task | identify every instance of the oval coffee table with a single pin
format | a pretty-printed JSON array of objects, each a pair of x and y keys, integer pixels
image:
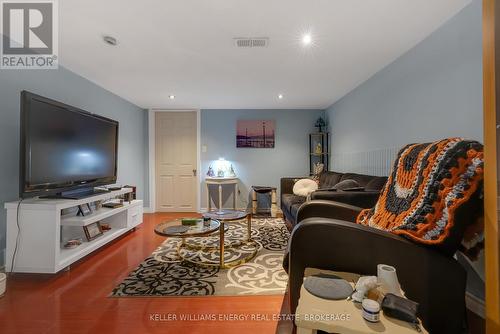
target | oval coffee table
[
  {"x": 204, "y": 230},
  {"x": 193, "y": 231},
  {"x": 229, "y": 216}
]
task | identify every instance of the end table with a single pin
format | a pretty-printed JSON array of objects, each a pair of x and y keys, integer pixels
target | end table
[
  {"x": 221, "y": 181},
  {"x": 342, "y": 316}
]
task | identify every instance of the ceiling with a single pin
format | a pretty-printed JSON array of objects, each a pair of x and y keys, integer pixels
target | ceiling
[{"x": 186, "y": 48}]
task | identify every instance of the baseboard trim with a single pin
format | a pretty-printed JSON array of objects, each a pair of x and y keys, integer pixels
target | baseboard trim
[
  {"x": 203, "y": 210},
  {"x": 148, "y": 210},
  {"x": 2, "y": 260}
]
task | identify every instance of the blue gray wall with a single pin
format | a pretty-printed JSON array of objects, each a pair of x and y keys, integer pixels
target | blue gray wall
[
  {"x": 257, "y": 166},
  {"x": 431, "y": 92},
  {"x": 65, "y": 86}
]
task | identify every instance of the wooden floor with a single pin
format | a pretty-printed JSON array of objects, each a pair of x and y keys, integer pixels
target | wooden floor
[{"x": 76, "y": 301}]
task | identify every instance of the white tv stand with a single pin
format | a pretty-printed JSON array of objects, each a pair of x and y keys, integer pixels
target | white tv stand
[{"x": 46, "y": 224}]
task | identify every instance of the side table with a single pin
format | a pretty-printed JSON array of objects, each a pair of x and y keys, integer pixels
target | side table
[
  {"x": 342, "y": 316},
  {"x": 264, "y": 190},
  {"x": 221, "y": 181}
]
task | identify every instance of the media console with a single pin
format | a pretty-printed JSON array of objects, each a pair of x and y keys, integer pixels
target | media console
[{"x": 45, "y": 225}]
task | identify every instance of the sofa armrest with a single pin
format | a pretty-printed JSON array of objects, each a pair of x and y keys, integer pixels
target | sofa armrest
[
  {"x": 363, "y": 199},
  {"x": 435, "y": 281},
  {"x": 324, "y": 209},
  {"x": 328, "y": 209},
  {"x": 287, "y": 183}
]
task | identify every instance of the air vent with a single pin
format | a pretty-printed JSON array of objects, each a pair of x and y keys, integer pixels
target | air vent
[{"x": 245, "y": 42}]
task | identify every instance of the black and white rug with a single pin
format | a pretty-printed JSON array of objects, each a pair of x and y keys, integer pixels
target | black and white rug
[{"x": 165, "y": 274}]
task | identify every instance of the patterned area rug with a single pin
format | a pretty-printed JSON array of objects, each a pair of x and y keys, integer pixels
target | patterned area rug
[{"x": 164, "y": 273}]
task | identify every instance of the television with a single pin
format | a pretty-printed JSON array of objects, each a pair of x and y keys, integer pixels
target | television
[{"x": 65, "y": 152}]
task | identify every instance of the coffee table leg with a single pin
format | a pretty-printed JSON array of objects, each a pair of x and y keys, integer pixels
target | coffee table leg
[
  {"x": 221, "y": 244},
  {"x": 249, "y": 227}
]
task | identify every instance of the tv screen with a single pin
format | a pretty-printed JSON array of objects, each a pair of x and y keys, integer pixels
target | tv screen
[{"x": 64, "y": 148}]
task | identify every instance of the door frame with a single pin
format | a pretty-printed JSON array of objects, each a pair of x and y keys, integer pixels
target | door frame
[
  {"x": 152, "y": 155},
  {"x": 491, "y": 29}
]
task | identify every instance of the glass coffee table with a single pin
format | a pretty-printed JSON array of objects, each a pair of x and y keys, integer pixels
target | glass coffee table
[
  {"x": 200, "y": 245},
  {"x": 166, "y": 229}
]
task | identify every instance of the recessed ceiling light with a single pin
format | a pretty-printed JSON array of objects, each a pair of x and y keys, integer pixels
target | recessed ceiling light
[
  {"x": 280, "y": 96},
  {"x": 171, "y": 97},
  {"x": 110, "y": 40},
  {"x": 306, "y": 39}
]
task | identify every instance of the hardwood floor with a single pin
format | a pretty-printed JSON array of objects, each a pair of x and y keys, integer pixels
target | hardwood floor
[{"x": 76, "y": 301}]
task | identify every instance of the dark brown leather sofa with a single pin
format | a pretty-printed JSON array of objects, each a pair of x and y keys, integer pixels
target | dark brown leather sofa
[{"x": 364, "y": 198}]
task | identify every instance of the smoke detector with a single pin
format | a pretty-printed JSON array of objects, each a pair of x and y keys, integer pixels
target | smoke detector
[
  {"x": 110, "y": 40},
  {"x": 251, "y": 42}
]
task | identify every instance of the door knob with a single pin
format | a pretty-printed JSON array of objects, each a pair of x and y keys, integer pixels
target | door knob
[{"x": 194, "y": 172}]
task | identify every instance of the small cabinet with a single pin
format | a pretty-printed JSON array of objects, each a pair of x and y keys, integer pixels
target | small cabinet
[{"x": 135, "y": 214}]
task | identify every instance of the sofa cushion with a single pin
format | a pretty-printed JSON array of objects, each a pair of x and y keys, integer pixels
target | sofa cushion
[
  {"x": 294, "y": 210},
  {"x": 376, "y": 184},
  {"x": 287, "y": 200},
  {"x": 362, "y": 179},
  {"x": 345, "y": 185},
  {"x": 329, "y": 179}
]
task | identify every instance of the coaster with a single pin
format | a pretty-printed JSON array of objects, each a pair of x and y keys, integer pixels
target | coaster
[
  {"x": 177, "y": 229},
  {"x": 328, "y": 287}
]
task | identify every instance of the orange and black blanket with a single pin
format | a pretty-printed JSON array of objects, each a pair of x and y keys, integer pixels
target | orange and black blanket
[{"x": 427, "y": 185}]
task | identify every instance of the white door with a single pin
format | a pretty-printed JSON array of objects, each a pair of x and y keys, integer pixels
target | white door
[{"x": 176, "y": 161}]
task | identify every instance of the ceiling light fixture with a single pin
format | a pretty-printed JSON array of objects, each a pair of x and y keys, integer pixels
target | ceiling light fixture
[
  {"x": 306, "y": 39},
  {"x": 110, "y": 40},
  {"x": 171, "y": 97},
  {"x": 280, "y": 96}
]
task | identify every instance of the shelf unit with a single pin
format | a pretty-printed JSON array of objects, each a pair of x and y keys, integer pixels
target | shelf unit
[
  {"x": 319, "y": 150},
  {"x": 46, "y": 224},
  {"x": 69, "y": 256},
  {"x": 103, "y": 213}
]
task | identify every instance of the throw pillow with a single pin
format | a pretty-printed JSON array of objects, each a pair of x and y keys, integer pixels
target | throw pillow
[
  {"x": 304, "y": 187},
  {"x": 346, "y": 185}
]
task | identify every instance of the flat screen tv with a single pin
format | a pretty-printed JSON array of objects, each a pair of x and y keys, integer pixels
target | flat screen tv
[{"x": 65, "y": 152}]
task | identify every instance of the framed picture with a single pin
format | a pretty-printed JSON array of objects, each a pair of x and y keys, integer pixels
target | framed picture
[
  {"x": 92, "y": 231},
  {"x": 84, "y": 210},
  {"x": 255, "y": 133}
]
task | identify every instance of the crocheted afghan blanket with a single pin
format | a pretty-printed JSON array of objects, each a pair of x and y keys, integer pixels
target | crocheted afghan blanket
[{"x": 427, "y": 184}]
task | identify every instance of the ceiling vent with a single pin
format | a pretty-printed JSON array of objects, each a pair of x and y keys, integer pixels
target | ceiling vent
[{"x": 245, "y": 42}]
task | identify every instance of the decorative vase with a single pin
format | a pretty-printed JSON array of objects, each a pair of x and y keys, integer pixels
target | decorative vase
[
  {"x": 232, "y": 173},
  {"x": 318, "y": 149},
  {"x": 210, "y": 172},
  {"x": 320, "y": 123}
]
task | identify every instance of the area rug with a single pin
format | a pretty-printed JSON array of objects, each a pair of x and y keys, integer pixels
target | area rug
[{"x": 165, "y": 274}]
